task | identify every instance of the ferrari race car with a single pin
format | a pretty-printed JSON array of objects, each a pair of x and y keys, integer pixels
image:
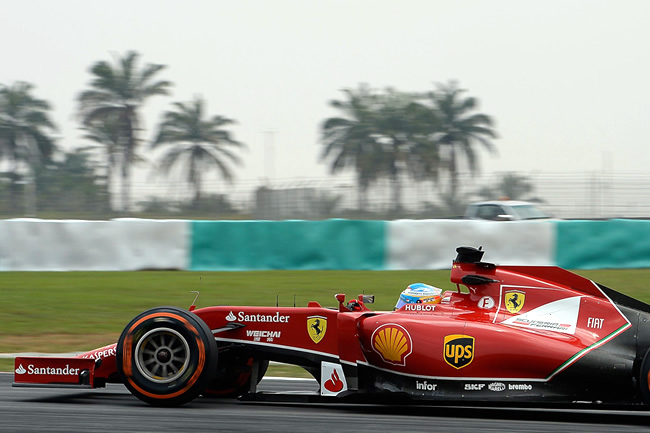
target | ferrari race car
[{"x": 508, "y": 333}]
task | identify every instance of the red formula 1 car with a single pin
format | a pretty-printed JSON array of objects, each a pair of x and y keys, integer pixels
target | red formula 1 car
[{"x": 509, "y": 333}]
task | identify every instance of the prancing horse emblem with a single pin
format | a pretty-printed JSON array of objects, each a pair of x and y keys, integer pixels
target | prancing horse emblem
[
  {"x": 514, "y": 300},
  {"x": 316, "y": 327}
]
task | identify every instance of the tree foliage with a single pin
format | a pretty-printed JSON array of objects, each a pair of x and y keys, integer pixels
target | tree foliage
[
  {"x": 396, "y": 135},
  {"x": 71, "y": 185},
  {"x": 25, "y": 134},
  {"x": 105, "y": 134},
  {"x": 459, "y": 129},
  {"x": 380, "y": 135},
  {"x": 116, "y": 94},
  {"x": 511, "y": 186},
  {"x": 349, "y": 138},
  {"x": 197, "y": 145}
]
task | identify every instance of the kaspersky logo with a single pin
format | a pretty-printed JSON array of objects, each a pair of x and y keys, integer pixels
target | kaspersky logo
[
  {"x": 21, "y": 370},
  {"x": 393, "y": 343}
]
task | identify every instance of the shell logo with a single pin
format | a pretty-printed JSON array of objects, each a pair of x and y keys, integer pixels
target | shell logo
[{"x": 393, "y": 343}]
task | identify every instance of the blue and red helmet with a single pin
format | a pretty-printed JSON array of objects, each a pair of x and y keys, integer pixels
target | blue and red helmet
[{"x": 419, "y": 293}]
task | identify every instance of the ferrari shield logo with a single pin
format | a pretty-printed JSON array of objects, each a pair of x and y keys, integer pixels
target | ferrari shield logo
[
  {"x": 458, "y": 350},
  {"x": 514, "y": 300},
  {"x": 316, "y": 327}
]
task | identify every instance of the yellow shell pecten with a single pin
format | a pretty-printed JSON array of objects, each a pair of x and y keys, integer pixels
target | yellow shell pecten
[{"x": 391, "y": 343}]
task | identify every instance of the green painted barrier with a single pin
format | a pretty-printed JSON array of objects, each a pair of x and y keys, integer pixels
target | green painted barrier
[
  {"x": 263, "y": 245},
  {"x": 603, "y": 244}
]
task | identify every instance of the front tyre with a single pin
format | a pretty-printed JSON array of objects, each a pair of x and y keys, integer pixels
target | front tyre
[{"x": 166, "y": 356}]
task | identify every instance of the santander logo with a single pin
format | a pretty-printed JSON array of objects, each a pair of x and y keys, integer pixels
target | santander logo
[
  {"x": 231, "y": 317},
  {"x": 21, "y": 370},
  {"x": 334, "y": 384}
]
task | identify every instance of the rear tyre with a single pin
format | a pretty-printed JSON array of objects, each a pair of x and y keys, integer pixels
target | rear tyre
[
  {"x": 234, "y": 375},
  {"x": 644, "y": 378},
  {"x": 166, "y": 356}
]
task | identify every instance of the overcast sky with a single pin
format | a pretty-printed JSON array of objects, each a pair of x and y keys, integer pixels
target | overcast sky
[{"x": 567, "y": 81}]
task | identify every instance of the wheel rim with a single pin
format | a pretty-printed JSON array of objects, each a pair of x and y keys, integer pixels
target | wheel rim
[{"x": 162, "y": 355}]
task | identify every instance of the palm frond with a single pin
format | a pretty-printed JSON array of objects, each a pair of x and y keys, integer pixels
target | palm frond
[{"x": 197, "y": 145}]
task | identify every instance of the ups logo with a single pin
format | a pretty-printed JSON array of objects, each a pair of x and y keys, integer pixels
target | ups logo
[{"x": 458, "y": 350}]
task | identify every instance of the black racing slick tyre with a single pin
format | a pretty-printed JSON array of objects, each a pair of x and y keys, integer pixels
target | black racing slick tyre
[
  {"x": 234, "y": 375},
  {"x": 644, "y": 378},
  {"x": 166, "y": 356}
]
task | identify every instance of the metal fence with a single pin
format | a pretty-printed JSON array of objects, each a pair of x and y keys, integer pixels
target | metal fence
[{"x": 564, "y": 195}]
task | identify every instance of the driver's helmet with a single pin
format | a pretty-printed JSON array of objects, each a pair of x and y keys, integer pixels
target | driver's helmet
[{"x": 419, "y": 293}]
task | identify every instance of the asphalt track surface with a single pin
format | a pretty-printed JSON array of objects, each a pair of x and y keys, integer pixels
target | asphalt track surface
[{"x": 113, "y": 409}]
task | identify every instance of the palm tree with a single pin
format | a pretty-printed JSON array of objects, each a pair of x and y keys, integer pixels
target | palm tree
[
  {"x": 24, "y": 126},
  {"x": 460, "y": 128},
  {"x": 405, "y": 129},
  {"x": 106, "y": 133},
  {"x": 117, "y": 93},
  {"x": 349, "y": 140},
  {"x": 202, "y": 145},
  {"x": 382, "y": 135}
]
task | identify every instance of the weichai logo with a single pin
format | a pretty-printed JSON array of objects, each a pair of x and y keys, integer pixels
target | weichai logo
[{"x": 458, "y": 350}]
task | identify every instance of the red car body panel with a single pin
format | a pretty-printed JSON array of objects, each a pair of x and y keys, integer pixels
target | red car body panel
[{"x": 537, "y": 332}]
